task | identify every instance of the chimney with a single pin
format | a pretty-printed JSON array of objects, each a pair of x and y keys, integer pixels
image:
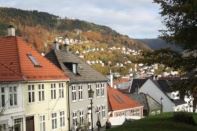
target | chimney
[
  {"x": 11, "y": 30},
  {"x": 111, "y": 79}
]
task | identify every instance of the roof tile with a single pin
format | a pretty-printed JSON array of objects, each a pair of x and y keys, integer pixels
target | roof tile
[{"x": 16, "y": 65}]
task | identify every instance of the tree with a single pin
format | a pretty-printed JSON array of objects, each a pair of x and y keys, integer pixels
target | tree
[{"x": 180, "y": 19}]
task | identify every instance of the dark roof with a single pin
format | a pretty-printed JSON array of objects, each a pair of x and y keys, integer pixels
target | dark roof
[
  {"x": 85, "y": 73},
  {"x": 136, "y": 84},
  {"x": 179, "y": 102},
  {"x": 164, "y": 85}
]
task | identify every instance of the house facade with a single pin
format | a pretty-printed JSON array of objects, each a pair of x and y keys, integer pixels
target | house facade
[
  {"x": 160, "y": 91},
  {"x": 82, "y": 79},
  {"x": 32, "y": 89},
  {"x": 11, "y": 106}
]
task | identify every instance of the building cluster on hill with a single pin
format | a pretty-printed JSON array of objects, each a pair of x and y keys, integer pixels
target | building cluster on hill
[{"x": 59, "y": 91}]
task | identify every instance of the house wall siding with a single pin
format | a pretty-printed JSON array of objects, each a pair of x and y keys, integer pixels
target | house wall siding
[
  {"x": 82, "y": 105},
  {"x": 48, "y": 106},
  {"x": 151, "y": 89},
  {"x": 10, "y": 113}
]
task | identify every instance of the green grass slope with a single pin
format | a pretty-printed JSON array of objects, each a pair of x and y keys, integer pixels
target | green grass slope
[{"x": 164, "y": 122}]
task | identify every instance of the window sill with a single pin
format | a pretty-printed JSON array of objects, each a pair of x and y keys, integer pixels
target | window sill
[
  {"x": 81, "y": 100},
  {"x": 74, "y": 101}
]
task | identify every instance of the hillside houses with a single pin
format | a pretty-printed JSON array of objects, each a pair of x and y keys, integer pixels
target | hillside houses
[{"x": 52, "y": 92}]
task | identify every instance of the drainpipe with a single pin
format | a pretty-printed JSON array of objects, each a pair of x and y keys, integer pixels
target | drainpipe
[{"x": 68, "y": 108}]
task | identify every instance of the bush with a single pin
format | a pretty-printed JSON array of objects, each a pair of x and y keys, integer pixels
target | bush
[{"x": 184, "y": 117}]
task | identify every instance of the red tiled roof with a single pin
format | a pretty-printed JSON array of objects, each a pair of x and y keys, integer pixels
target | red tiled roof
[
  {"x": 15, "y": 64},
  {"x": 120, "y": 101}
]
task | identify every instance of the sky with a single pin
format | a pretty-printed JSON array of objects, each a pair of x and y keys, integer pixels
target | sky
[{"x": 135, "y": 18}]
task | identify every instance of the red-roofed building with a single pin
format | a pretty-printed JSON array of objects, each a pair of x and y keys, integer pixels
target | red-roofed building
[
  {"x": 122, "y": 105},
  {"x": 33, "y": 91}
]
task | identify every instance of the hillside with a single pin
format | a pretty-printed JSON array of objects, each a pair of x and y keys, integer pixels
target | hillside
[
  {"x": 41, "y": 28},
  {"x": 157, "y": 43}
]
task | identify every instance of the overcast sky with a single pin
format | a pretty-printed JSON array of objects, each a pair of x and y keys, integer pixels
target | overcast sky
[{"x": 135, "y": 18}]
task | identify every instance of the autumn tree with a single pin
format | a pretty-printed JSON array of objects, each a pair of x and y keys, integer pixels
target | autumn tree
[{"x": 180, "y": 19}]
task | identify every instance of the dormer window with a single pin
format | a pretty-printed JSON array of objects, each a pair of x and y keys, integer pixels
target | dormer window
[
  {"x": 72, "y": 67},
  {"x": 34, "y": 60}
]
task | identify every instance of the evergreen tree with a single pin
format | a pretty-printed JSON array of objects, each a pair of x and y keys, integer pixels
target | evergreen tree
[{"x": 180, "y": 19}]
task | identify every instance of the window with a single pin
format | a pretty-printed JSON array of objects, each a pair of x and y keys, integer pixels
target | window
[
  {"x": 2, "y": 100},
  {"x": 53, "y": 91},
  {"x": 74, "y": 118},
  {"x": 89, "y": 87},
  {"x": 18, "y": 124},
  {"x": 13, "y": 96},
  {"x": 61, "y": 90},
  {"x": 103, "y": 111},
  {"x": 81, "y": 117},
  {"x": 54, "y": 120},
  {"x": 98, "y": 111},
  {"x": 34, "y": 60},
  {"x": 97, "y": 90},
  {"x": 80, "y": 92},
  {"x": 62, "y": 119},
  {"x": 42, "y": 123},
  {"x": 102, "y": 90},
  {"x": 41, "y": 92},
  {"x": 74, "y": 93},
  {"x": 31, "y": 94},
  {"x": 72, "y": 67}
]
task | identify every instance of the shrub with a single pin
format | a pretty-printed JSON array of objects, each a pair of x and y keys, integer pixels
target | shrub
[{"x": 184, "y": 117}]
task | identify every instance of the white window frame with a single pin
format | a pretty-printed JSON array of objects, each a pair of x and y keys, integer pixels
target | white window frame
[
  {"x": 41, "y": 95},
  {"x": 31, "y": 93},
  {"x": 53, "y": 91},
  {"x": 13, "y": 96},
  {"x": 74, "y": 93},
  {"x": 97, "y": 90},
  {"x": 98, "y": 110},
  {"x": 54, "y": 120},
  {"x": 81, "y": 117},
  {"x": 89, "y": 87},
  {"x": 80, "y": 92},
  {"x": 74, "y": 119},
  {"x": 61, "y": 90},
  {"x": 42, "y": 123},
  {"x": 62, "y": 118},
  {"x": 103, "y": 111},
  {"x": 102, "y": 89},
  {"x": 2, "y": 96}
]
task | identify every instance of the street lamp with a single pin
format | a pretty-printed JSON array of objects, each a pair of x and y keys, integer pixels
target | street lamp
[
  {"x": 91, "y": 94},
  {"x": 161, "y": 104}
]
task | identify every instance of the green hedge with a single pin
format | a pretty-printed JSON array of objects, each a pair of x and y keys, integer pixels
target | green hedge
[{"x": 184, "y": 117}]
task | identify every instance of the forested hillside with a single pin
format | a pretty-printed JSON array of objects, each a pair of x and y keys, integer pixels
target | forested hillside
[{"x": 40, "y": 29}]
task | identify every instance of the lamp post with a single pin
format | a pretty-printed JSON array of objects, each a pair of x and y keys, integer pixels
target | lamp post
[
  {"x": 161, "y": 104},
  {"x": 91, "y": 94}
]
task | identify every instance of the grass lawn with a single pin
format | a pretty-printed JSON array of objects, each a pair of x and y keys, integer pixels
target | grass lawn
[{"x": 163, "y": 122}]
